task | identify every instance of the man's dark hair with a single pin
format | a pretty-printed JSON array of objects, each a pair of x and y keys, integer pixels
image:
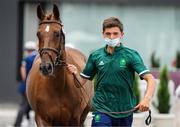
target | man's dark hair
[{"x": 112, "y": 22}]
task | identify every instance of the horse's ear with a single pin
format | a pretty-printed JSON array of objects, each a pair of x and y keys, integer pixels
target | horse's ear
[
  {"x": 40, "y": 12},
  {"x": 56, "y": 12}
]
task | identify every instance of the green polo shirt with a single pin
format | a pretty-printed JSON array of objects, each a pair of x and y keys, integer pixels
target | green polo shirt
[{"x": 115, "y": 76}]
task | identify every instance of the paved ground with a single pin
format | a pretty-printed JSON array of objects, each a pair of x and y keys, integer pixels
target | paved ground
[{"x": 8, "y": 114}]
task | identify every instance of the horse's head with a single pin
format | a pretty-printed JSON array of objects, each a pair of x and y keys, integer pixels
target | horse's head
[{"x": 51, "y": 40}]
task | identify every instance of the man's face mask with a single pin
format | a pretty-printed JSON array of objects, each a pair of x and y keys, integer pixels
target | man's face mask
[{"x": 112, "y": 42}]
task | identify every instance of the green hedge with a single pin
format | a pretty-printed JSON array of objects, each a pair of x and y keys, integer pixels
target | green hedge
[
  {"x": 163, "y": 92},
  {"x": 178, "y": 59},
  {"x": 136, "y": 89},
  {"x": 155, "y": 62}
]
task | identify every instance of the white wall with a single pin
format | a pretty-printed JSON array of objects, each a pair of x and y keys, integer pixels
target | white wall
[
  {"x": 146, "y": 28},
  {"x": 30, "y": 22}
]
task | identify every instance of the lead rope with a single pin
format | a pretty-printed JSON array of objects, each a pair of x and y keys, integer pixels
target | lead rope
[
  {"x": 79, "y": 85},
  {"x": 147, "y": 121}
]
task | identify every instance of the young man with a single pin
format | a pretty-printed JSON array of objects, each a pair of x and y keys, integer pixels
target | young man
[{"x": 114, "y": 66}]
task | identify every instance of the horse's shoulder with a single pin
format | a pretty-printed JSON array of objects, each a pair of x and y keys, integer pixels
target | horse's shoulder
[
  {"x": 74, "y": 56},
  {"x": 72, "y": 52}
]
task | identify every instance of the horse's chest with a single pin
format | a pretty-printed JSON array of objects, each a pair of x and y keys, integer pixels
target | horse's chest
[{"x": 56, "y": 113}]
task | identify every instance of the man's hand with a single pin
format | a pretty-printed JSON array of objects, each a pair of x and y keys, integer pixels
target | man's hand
[
  {"x": 144, "y": 104},
  {"x": 72, "y": 69}
]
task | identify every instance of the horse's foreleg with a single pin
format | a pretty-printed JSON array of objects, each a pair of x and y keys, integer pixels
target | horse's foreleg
[
  {"x": 84, "y": 114},
  {"x": 40, "y": 122},
  {"x": 37, "y": 119}
]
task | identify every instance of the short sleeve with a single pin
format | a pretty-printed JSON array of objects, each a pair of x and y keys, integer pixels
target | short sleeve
[
  {"x": 138, "y": 65},
  {"x": 90, "y": 69},
  {"x": 24, "y": 62}
]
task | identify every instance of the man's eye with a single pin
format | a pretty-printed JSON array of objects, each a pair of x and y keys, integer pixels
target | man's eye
[
  {"x": 108, "y": 34},
  {"x": 115, "y": 33}
]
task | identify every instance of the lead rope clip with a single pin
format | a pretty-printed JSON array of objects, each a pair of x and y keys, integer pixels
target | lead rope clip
[{"x": 148, "y": 119}]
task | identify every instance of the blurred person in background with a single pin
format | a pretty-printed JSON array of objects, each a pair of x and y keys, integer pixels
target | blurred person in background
[
  {"x": 114, "y": 66},
  {"x": 30, "y": 49}
]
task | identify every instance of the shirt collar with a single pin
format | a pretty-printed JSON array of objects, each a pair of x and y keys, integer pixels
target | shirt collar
[{"x": 117, "y": 48}]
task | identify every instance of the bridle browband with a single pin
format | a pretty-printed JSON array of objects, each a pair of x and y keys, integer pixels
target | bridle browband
[
  {"x": 48, "y": 22},
  {"x": 58, "y": 52}
]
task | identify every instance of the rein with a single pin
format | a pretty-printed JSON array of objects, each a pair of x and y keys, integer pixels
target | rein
[
  {"x": 147, "y": 121},
  {"x": 79, "y": 85}
]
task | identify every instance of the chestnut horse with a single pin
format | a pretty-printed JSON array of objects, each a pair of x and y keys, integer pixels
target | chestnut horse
[{"x": 51, "y": 90}]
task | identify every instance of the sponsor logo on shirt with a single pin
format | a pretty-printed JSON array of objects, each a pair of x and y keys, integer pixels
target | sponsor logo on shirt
[{"x": 101, "y": 63}]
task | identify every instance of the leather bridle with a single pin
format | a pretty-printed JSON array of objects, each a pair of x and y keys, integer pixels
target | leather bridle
[{"x": 58, "y": 61}]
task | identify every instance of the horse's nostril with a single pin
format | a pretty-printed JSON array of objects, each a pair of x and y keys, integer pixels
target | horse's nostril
[
  {"x": 49, "y": 67},
  {"x": 43, "y": 69}
]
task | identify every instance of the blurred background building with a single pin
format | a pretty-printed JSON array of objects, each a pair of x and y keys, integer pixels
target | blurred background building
[{"x": 149, "y": 26}]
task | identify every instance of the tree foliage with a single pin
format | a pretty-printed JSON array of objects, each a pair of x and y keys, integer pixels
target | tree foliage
[
  {"x": 136, "y": 89},
  {"x": 155, "y": 62},
  {"x": 163, "y": 92},
  {"x": 178, "y": 59}
]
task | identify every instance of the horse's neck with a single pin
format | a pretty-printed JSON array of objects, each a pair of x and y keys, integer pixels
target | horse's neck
[
  {"x": 58, "y": 80},
  {"x": 59, "y": 77}
]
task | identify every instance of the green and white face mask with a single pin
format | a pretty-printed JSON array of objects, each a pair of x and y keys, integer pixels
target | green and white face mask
[{"x": 112, "y": 42}]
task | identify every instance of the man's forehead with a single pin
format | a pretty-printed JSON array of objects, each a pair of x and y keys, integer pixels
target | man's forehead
[{"x": 112, "y": 30}]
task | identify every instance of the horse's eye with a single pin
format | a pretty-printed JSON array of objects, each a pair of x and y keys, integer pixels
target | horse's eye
[
  {"x": 56, "y": 34},
  {"x": 38, "y": 34}
]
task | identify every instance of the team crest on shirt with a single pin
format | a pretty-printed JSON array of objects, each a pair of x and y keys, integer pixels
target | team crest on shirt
[{"x": 122, "y": 62}]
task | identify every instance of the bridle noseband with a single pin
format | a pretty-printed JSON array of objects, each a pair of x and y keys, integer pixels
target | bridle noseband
[
  {"x": 58, "y": 61},
  {"x": 58, "y": 53}
]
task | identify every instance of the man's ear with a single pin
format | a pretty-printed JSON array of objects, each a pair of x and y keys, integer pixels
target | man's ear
[
  {"x": 122, "y": 35},
  {"x": 103, "y": 34}
]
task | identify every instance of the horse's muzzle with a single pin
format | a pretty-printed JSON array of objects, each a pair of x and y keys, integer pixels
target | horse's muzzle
[{"x": 46, "y": 68}]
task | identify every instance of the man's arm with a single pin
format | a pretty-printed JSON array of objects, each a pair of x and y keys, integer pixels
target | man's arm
[
  {"x": 150, "y": 86},
  {"x": 23, "y": 72},
  {"x": 145, "y": 103},
  {"x": 73, "y": 70}
]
